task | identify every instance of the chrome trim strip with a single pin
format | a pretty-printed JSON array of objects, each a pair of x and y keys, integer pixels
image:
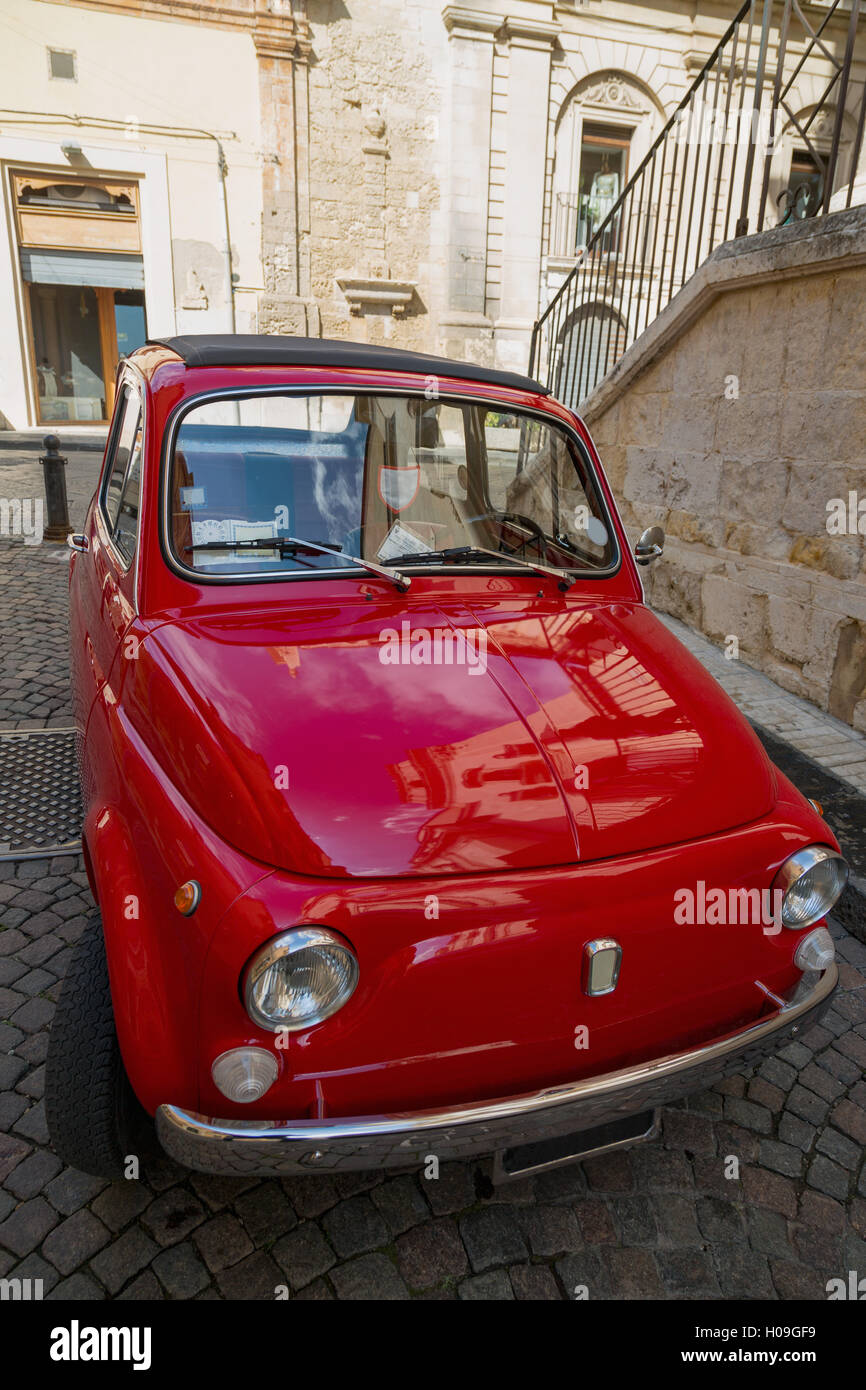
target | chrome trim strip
[
  {"x": 329, "y": 388},
  {"x": 172, "y": 1121}
]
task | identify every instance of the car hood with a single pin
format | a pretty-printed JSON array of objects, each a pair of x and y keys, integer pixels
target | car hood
[{"x": 343, "y": 742}]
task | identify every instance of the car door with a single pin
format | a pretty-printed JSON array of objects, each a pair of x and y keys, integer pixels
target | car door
[{"x": 102, "y": 584}]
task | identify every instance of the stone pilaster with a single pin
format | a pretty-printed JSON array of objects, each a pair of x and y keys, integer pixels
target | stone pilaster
[
  {"x": 282, "y": 41},
  {"x": 471, "y": 39},
  {"x": 530, "y": 45}
]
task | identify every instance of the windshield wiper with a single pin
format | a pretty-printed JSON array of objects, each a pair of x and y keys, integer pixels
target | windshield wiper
[
  {"x": 292, "y": 544},
  {"x": 458, "y": 553}
]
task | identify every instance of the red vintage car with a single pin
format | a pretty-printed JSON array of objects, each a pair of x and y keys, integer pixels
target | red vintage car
[{"x": 414, "y": 834}]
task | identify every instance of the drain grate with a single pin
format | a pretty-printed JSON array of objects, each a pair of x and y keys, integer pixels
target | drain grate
[{"x": 40, "y": 801}]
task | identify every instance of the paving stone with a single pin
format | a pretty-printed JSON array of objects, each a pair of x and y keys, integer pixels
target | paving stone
[
  {"x": 610, "y": 1172},
  {"x": 172, "y": 1216},
  {"x": 821, "y": 1249},
  {"x": 490, "y": 1287},
  {"x": 533, "y": 1283},
  {"x": 452, "y": 1191},
  {"x": 552, "y": 1230},
  {"x": 310, "y": 1196},
  {"x": 768, "y": 1233},
  {"x": 121, "y": 1202},
  {"x": 735, "y": 1141},
  {"x": 828, "y": 1177},
  {"x": 32, "y": 1124},
  {"x": 144, "y": 1289},
  {"x": 633, "y": 1219},
  {"x": 372, "y": 1277},
  {"x": 256, "y": 1277},
  {"x": 816, "y": 1209},
  {"x": 13, "y": 1151},
  {"x": 560, "y": 1184},
  {"x": 841, "y": 1149},
  {"x": 71, "y": 1190},
  {"x": 355, "y": 1226},
  {"x": 492, "y": 1237},
  {"x": 317, "y": 1292},
  {"x": 75, "y": 1240},
  {"x": 676, "y": 1220},
  {"x": 762, "y": 1092},
  {"x": 120, "y": 1262},
  {"x": 688, "y": 1272},
  {"x": 770, "y": 1190},
  {"x": 431, "y": 1253},
  {"x": 11, "y": 1070},
  {"x": 180, "y": 1271},
  {"x": 781, "y": 1158},
  {"x": 27, "y": 1226},
  {"x": 796, "y": 1132},
  {"x": 694, "y": 1133},
  {"x": 778, "y": 1073},
  {"x": 303, "y": 1254},
  {"x": 851, "y": 1119},
  {"x": 741, "y": 1273},
  {"x": 220, "y": 1192},
  {"x": 837, "y": 1064},
  {"x": 749, "y": 1115},
  {"x": 401, "y": 1203},
  {"x": 794, "y": 1280},
  {"x": 222, "y": 1242},
  {"x": 78, "y": 1288},
  {"x": 633, "y": 1274},
  {"x": 34, "y": 1268},
  {"x": 266, "y": 1213},
  {"x": 719, "y": 1221},
  {"x": 817, "y": 1079},
  {"x": 596, "y": 1226}
]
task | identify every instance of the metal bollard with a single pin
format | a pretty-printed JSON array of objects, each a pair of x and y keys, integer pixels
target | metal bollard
[{"x": 53, "y": 464}]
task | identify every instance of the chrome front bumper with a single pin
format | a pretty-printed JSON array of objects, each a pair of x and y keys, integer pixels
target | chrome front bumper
[{"x": 406, "y": 1140}]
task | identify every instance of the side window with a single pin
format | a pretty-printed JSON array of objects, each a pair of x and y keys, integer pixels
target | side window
[{"x": 120, "y": 497}]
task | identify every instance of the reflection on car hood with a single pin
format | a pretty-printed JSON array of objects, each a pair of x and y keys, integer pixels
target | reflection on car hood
[{"x": 345, "y": 742}]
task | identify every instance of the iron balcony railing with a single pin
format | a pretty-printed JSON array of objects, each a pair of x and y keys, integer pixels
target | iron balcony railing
[{"x": 718, "y": 168}]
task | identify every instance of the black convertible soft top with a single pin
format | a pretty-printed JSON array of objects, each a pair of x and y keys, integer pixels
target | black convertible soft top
[{"x": 273, "y": 350}]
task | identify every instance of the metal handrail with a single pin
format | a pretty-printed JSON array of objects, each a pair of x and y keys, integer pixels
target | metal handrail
[{"x": 678, "y": 205}]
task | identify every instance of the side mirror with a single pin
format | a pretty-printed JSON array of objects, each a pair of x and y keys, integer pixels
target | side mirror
[{"x": 650, "y": 546}]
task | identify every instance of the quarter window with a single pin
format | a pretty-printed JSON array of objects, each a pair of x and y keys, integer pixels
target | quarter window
[{"x": 120, "y": 501}]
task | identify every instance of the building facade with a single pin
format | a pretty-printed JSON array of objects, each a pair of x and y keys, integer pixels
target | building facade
[{"x": 384, "y": 170}]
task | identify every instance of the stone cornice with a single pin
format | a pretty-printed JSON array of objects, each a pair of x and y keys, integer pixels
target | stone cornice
[
  {"x": 530, "y": 33},
  {"x": 463, "y": 23},
  {"x": 276, "y": 33}
]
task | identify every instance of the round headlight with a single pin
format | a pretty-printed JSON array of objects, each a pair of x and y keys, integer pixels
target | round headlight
[
  {"x": 299, "y": 978},
  {"x": 810, "y": 883}
]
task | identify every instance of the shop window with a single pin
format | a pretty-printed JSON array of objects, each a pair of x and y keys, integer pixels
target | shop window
[{"x": 80, "y": 332}]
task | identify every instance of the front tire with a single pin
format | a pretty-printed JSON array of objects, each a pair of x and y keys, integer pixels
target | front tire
[{"x": 94, "y": 1118}]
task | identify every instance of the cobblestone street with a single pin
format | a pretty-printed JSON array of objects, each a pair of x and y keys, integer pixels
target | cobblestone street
[{"x": 658, "y": 1221}]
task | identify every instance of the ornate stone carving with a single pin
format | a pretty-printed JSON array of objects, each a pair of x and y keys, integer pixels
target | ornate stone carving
[{"x": 612, "y": 89}]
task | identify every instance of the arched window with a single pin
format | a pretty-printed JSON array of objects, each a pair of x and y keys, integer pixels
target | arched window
[
  {"x": 605, "y": 128},
  {"x": 589, "y": 344}
]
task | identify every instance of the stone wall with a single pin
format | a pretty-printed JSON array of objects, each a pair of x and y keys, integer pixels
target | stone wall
[{"x": 738, "y": 422}]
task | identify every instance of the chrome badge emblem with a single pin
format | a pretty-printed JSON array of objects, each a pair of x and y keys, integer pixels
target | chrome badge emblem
[{"x": 601, "y": 962}]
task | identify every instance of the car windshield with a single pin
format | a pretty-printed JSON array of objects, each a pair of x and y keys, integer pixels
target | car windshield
[{"x": 291, "y": 484}]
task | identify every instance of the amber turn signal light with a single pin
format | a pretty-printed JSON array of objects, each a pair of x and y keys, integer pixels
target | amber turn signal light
[
  {"x": 818, "y": 807},
  {"x": 188, "y": 897}
]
